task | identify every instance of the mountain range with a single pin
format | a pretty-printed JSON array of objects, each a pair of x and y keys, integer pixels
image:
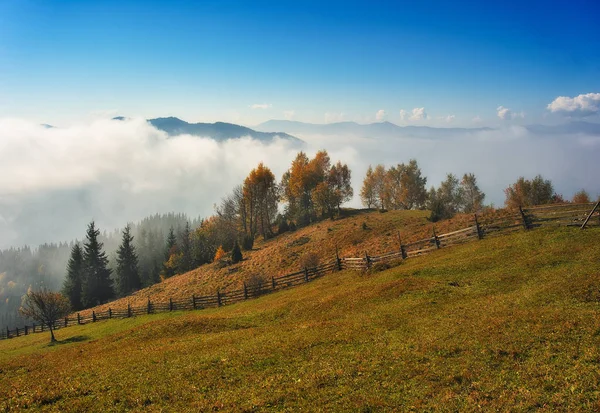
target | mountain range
[
  {"x": 391, "y": 130},
  {"x": 218, "y": 131}
]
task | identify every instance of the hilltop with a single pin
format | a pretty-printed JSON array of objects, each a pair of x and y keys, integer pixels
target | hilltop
[
  {"x": 506, "y": 323},
  {"x": 355, "y": 233}
]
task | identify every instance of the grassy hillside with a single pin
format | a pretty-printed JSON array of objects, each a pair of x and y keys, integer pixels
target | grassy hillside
[
  {"x": 283, "y": 254},
  {"x": 506, "y": 323}
]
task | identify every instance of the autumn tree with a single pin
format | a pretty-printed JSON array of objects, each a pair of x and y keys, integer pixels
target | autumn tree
[
  {"x": 97, "y": 285},
  {"x": 128, "y": 276},
  {"x": 472, "y": 196},
  {"x": 367, "y": 191},
  {"x": 260, "y": 201},
  {"x": 524, "y": 192},
  {"x": 45, "y": 307},
  {"x": 73, "y": 282},
  {"x": 236, "y": 253},
  {"x": 313, "y": 187},
  {"x": 581, "y": 197},
  {"x": 446, "y": 201},
  {"x": 404, "y": 187}
]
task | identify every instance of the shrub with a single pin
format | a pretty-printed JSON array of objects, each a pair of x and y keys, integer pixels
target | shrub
[
  {"x": 247, "y": 242},
  {"x": 236, "y": 253},
  {"x": 309, "y": 260}
]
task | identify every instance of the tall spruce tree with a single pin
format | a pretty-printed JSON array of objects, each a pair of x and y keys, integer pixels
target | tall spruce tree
[
  {"x": 169, "y": 267},
  {"x": 128, "y": 276},
  {"x": 97, "y": 286},
  {"x": 186, "y": 262},
  {"x": 72, "y": 284}
]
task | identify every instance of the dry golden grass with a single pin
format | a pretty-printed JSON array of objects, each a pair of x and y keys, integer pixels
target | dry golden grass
[{"x": 282, "y": 254}]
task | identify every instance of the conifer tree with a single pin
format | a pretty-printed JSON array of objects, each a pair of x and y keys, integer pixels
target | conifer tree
[
  {"x": 128, "y": 277},
  {"x": 236, "y": 253},
  {"x": 186, "y": 262},
  {"x": 169, "y": 267},
  {"x": 72, "y": 285},
  {"x": 97, "y": 286}
]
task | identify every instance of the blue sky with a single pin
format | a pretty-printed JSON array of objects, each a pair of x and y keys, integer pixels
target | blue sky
[{"x": 308, "y": 61}]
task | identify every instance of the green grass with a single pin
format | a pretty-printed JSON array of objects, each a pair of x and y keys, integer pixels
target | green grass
[{"x": 507, "y": 323}]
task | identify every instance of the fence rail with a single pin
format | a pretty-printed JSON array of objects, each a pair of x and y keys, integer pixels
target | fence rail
[{"x": 569, "y": 215}]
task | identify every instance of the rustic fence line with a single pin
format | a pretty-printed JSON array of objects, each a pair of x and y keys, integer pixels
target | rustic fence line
[{"x": 570, "y": 215}]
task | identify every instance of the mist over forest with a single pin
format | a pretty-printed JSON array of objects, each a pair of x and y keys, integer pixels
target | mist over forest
[{"x": 119, "y": 171}]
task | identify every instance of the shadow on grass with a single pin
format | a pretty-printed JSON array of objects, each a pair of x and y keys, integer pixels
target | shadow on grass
[{"x": 74, "y": 339}]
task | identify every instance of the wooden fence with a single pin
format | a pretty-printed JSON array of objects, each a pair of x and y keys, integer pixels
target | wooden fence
[{"x": 570, "y": 215}]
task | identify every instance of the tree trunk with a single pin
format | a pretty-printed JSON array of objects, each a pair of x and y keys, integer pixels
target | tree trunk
[{"x": 52, "y": 338}]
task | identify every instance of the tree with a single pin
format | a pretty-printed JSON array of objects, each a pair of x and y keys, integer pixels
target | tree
[
  {"x": 412, "y": 186},
  {"x": 220, "y": 254},
  {"x": 260, "y": 200},
  {"x": 186, "y": 263},
  {"x": 236, "y": 253},
  {"x": 45, "y": 307},
  {"x": 73, "y": 282},
  {"x": 97, "y": 286},
  {"x": 128, "y": 276},
  {"x": 339, "y": 180},
  {"x": 170, "y": 264},
  {"x": 379, "y": 185},
  {"x": 472, "y": 197},
  {"x": 524, "y": 192},
  {"x": 446, "y": 201},
  {"x": 581, "y": 197},
  {"x": 367, "y": 192}
]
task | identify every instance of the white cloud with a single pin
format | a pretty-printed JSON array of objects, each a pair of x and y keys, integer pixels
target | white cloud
[
  {"x": 449, "y": 118},
  {"x": 476, "y": 119},
  {"x": 418, "y": 114},
  {"x": 403, "y": 114},
  {"x": 115, "y": 172},
  {"x": 581, "y": 105},
  {"x": 504, "y": 113},
  {"x": 333, "y": 117},
  {"x": 261, "y": 106},
  {"x": 380, "y": 115},
  {"x": 289, "y": 114},
  {"x": 507, "y": 114}
]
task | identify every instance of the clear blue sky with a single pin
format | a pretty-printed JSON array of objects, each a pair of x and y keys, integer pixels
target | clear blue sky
[{"x": 213, "y": 60}]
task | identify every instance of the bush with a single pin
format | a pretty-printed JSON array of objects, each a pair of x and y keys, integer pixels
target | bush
[
  {"x": 236, "y": 253},
  {"x": 309, "y": 260},
  {"x": 247, "y": 242},
  {"x": 283, "y": 227},
  {"x": 292, "y": 226}
]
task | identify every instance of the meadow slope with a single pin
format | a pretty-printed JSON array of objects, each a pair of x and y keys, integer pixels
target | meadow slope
[
  {"x": 506, "y": 323},
  {"x": 283, "y": 254}
]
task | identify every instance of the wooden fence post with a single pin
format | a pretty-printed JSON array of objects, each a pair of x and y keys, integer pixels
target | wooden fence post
[
  {"x": 26, "y": 330},
  {"x": 402, "y": 248},
  {"x": 590, "y": 215},
  {"x": 109, "y": 313},
  {"x": 193, "y": 301},
  {"x": 17, "y": 330},
  {"x": 219, "y": 298},
  {"x": 524, "y": 217},
  {"x": 149, "y": 308},
  {"x": 479, "y": 231},
  {"x": 170, "y": 304},
  {"x": 305, "y": 274},
  {"x": 128, "y": 310},
  {"x": 33, "y": 328},
  {"x": 93, "y": 316},
  {"x": 245, "y": 291},
  {"x": 273, "y": 282},
  {"x": 78, "y": 319},
  {"x": 367, "y": 260},
  {"x": 436, "y": 239},
  {"x": 338, "y": 261},
  {"x": 41, "y": 327},
  {"x": 66, "y": 321}
]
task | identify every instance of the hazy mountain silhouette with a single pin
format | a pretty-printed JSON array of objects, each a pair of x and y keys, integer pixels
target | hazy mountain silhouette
[
  {"x": 219, "y": 131},
  {"x": 371, "y": 130},
  {"x": 391, "y": 130}
]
